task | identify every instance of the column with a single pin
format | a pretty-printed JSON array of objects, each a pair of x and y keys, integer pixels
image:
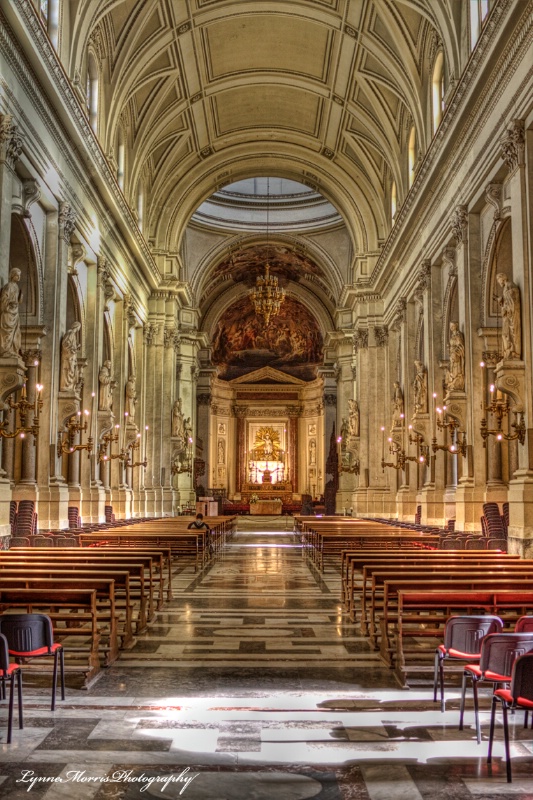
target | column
[
  {"x": 294, "y": 414},
  {"x": 240, "y": 412}
]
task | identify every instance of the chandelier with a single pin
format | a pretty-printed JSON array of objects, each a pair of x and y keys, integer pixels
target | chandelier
[{"x": 267, "y": 296}]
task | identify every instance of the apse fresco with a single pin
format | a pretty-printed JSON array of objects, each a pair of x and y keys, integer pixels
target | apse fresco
[
  {"x": 246, "y": 265},
  {"x": 291, "y": 343}
]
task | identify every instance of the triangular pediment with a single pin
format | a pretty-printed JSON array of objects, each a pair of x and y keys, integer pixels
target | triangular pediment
[{"x": 267, "y": 375}]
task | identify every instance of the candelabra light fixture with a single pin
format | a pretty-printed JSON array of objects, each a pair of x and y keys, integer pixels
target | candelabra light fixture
[
  {"x": 267, "y": 296},
  {"x": 130, "y": 449},
  {"x": 500, "y": 409},
  {"x": 422, "y": 449},
  {"x": 458, "y": 438},
  {"x": 399, "y": 452},
  {"x": 66, "y": 439},
  {"x": 25, "y": 408},
  {"x": 107, "y": 443}
]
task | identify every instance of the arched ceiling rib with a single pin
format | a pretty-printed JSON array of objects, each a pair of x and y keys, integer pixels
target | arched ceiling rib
[{"x": 331, "y": 84}]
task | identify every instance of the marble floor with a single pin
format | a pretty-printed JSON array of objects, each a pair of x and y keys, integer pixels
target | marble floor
[{"x": 253, "y": 685}]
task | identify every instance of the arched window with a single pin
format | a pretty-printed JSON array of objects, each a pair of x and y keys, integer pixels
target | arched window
[
  {"x": 140, "y": 205},
  {"x": 393, "y": 200},
  {"x": 412, "y": 155},
  {"x": 438, "y": 91},
  {"x": 121, "y": 158},
  {"x": 478, "y": 14},
  {"x": 92, "y": 92}
]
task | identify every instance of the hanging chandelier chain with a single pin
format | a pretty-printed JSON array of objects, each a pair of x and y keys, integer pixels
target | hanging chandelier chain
[{"x": 267, "y": 296}]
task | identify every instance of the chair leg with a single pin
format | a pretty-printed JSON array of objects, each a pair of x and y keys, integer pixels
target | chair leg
[
  {"x": 21, "y": 717},
  {"x": 441, "y": 679},
  {"x": 435, "y": 675},
  {"x": 62, "y": 670},
  {"x": 463, "y": 695},
  {"x": 526, "y": 717},
  {"x": 10, "y": 713},
  {"x": 476, "y": 709},
  {"x": 492, "y": 725},
  {"x": 506, "y": 740}
]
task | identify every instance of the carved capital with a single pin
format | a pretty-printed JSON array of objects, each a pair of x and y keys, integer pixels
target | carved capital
[
  {"x": 203, "y": 399},
  {"x": 459, "y": 224},
  {"x": 66, "y": 221},
  {"x": 400, "y": 314},
  {"x": 513, "y": 145},
  {"x": 151, "y": 330},
  {"x": 330, "y": 399},
  {"x": 168, "y": 336},
  {"x": 240, "y": 411},
  {"x": 10, "y": 141},
  {"x": 360, "y": 339},
  {"x": 381, "y": 335}
]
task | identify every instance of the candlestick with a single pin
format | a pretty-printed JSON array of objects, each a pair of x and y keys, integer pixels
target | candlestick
[
  {"x": 492, "y": 393},
  {"x": 382, "y": 443},
  {"x": 145, "y": 441},
  {"x": 92, "y": 403}
]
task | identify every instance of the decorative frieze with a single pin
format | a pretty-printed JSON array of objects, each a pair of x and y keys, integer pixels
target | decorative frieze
[
  {"x": 513, "y": 145},
  {"x": 267, "y": 412},
  {"x": 10, "y": 141}
]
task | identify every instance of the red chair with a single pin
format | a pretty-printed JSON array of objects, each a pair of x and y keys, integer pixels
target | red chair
[
  {"x": 9, "y": 671},
  {"x": 498, "y": 654},
  {"x": 32, "y": 636},
  {"x": 463, "y": 636},
  {"x": 519, "y": 695}
]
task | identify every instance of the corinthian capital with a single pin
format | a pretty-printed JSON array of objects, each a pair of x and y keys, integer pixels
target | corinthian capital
[
  {"x": 513, "y": 145},
  {"x": 10, "y": 141},
  {"x": 66, "y": 221}
]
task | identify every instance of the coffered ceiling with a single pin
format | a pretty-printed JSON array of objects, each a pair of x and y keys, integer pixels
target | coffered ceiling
[{"x": 209, "y": 92}]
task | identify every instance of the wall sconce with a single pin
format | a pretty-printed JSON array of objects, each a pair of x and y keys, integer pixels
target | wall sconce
[
  {"x": 422, "y": 449},
  {"x": 134, "y": 445},
  {"x": 25, "y": 408},
  {"x": 457, "y": 446},
  {"x": 500, "y": 409},
  {"x": 107, "y": 442},
  {"x": 65, "y": 439},
  {"x": 401, "y": 456}
]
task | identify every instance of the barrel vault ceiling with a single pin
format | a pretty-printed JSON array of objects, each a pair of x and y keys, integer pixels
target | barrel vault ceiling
[{"x": 210, "y": 91}]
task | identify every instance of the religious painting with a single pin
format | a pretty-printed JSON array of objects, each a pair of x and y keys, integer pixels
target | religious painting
[{"x": 291, "y": 343}]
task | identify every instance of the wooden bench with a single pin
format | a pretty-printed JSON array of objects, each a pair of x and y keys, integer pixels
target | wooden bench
[
  {"x": 141, "y": 595},
  {"x": 388, "y": 619},
  {"x": 59, "y": 605},
  {"x": 420, "y": 611},
  {"x": 191, "y": 543}
]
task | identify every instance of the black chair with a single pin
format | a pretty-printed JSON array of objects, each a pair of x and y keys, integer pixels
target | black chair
[
  {"x": 8, "y": 672},
  {"x": 498, "y": 654},
  {"x": 463, "y": 636},
  {"x": 32, "y": 636},
  {"x": 519, "y": 695}
]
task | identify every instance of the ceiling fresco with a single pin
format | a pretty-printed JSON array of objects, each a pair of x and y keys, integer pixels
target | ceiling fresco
[
  {"x": 245, "y": 265},
  {"x": 292, "y": 342}
]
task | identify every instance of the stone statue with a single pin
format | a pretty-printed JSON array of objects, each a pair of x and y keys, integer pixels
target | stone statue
[
  {"x": 177, "y": 420},
  {"x": 345, "y": 429},
  {"x": 353, "y": 419},
  {"x": 420, "y": 386},
  {"x": 312, "y": 451},
  {"x": 131, "y": 397},
  {"x": 397, "y": 405},
  {"x": 187, "y": 429},
  {"x": 70, "y": 346},
  {"x": 221, "y": 451},
  {"x": 10, "y": 300},
  {"x": 455, "y": 376},
  {"x": 511, "y": 317},
  {"x": 106, "y": 384}
]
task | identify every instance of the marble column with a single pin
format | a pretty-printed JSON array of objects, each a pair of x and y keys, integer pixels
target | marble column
[
  {"x": 240, "y": 413},
  {"x": 294, "y": 414}
]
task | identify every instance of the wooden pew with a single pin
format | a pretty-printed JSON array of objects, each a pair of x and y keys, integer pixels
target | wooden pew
[
  {"x": 419, "y": 612},
  {"x": 59, "y": 605},
  {"x": 143, "y": 593},
  {"x": 187, "y": 543},
  {"x": 388, "y": 619}
]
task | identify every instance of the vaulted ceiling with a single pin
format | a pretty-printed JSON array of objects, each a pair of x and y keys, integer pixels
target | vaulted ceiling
[{"x": 208, "y": 92}]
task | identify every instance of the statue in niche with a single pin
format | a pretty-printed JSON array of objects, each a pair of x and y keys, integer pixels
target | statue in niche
[
  {"x": 420, "y": 387},
  {"x": 70, "y": 346},
  {"x": 187, "y": 430},
  {"x": 312, "y": 451},
  {"x": 511, "y": 317},
  {"x": 131, "y": 397},
  {"x": 178, "y": 421},
  {"x": 397, "y": 405},
  {"x": 345, "y": 431},
  {"x": 353, "y": 418},
  {"x": 106, "y": 384},
  {"x": 221, "y": 451},
  {"x": 455, "y": 376},
  {"x": 10, "y": 300}
]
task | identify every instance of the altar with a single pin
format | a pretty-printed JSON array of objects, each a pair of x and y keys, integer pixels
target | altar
[{"x": 266, "y": 508}]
